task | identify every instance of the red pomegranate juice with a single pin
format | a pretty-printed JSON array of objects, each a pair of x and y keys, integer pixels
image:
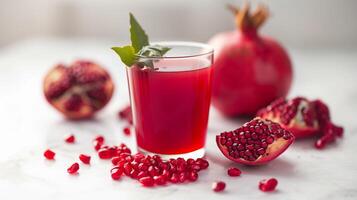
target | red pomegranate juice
[{"x": 170, "y": 106}]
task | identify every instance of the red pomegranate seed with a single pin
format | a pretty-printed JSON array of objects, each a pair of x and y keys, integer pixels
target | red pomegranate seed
[
  {"x": 126, "y": 131},
  {"x": 160, "y": 180},
  {"x": 70, "y": 139},
  {"x": 49, "y": 154},
  {"x": 193, "y": 176},
  {"x": 174, "y": 178},
  {"x": 105, "y": 153},
  {"x": 99, "y": 138},
  {"x": 84, "y": 158},
  {"x": 116, "y": 173},
  {"x": 218, "y": 186},
  {"x": 233, "y": 171},
  {"x": 116, "y": 160},
  {"x": 73, "y": 168},
  {"x": 142, "y": 174},
  {"x": 97, "y": 145},
  {"x": 147, "y": 181},
  {"x": 202, "y": 163},
  {"x": 268, "y": 185}
]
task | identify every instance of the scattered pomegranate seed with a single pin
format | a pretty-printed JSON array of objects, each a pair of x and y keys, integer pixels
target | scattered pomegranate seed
[
  {"x": 147, "y": 181},
  {"x": 233, "y": 171},
  {"x": 70, "y": 138},
  {"x": 126, "y": 131},
  {"x": 218, "y": 186},
  {"x": 85, "y": 158},
  {"x": 99, "y": 138},
  {"x": 73, "y": 168},
  {"x": 49, "y": 154},
  {"x": 116, "y": 173},
  {"x": 268, "y": 185}
]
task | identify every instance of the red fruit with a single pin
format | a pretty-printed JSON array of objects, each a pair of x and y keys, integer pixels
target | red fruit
[
  {"x": 268, "y": 185},
  {"x": 85, "y": 159},
  {"x": 116, "y": 173},
  {"x": 218, "y": 186},
  {"x": 49, "y": 154},
  {"x": 304, "y": 118},
  {"x": 250, "y": 70},
  {"x": 147, "y": 181},
  {"x": 126, "y": 131},
  {"x": 73, "y": 168},
  {"x": 233, "y": 171},
  {"x": 256, "y": 142},
  {"x": 78, "y": 90},
  {"x": 70, "y": 139},
  {"x": 126, "y": 114}
]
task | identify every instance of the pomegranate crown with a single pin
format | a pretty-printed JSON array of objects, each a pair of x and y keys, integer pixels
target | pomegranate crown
[{"x": 246, "y": 20}]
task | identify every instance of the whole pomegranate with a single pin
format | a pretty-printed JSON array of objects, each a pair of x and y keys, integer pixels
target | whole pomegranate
[
  {"x": 250, "y": 70},
  {"x": 304, "y": 118},
  {"x": 78, "y": 90}
]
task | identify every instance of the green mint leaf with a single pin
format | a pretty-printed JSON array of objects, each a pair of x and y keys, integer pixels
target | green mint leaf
[
  {"x": 138, "y": 37},
  {"x": 153, "y": 51},
  {"x": 126, "y": 54}
]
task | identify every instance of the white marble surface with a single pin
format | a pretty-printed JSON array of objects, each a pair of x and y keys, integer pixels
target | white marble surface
[{"x": 29, "y": 125}]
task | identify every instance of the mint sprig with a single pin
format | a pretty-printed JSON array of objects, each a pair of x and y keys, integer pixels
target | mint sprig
[{"x": 139, "y": 48}]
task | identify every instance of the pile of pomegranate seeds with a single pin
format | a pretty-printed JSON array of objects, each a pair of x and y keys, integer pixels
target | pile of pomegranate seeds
[
  {"x": 268, "y": 185},
  {"x": 233, "y": 171},
  {"x": 70, "y": 138},
  {"x": 150, "y": 170},
  {"x": 218, "y": 186},
  {"x": 49, "y": 154}
]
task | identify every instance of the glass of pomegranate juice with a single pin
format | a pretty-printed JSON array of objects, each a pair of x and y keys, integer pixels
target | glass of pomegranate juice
[{"x": 170, "y": 101}]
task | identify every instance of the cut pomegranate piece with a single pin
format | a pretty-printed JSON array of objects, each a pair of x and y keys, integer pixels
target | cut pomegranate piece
[
  {"x": 78, "y": 90},
  {"x": 233, "y": 171},
  {"x": 256, "y": 142},
  {"x": 85, "y": 159},
  {"x": 49, "y": 154},
  {"x": 73, "y": 168},
  {"x": 268, "y": 185},
  {"x": 303, "y": 118},
  {"x": 218, "y": 186},
  {"x": 70, "y": 138}
]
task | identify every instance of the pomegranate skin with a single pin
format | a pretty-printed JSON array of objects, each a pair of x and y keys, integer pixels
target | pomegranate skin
[{"x": 249, "y": 72}]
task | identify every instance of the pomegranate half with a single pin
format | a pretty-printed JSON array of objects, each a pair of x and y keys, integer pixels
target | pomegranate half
[
  {"x": 256, "y": 142},
  {"x": 303, "y": 118},
  {"x": 250, "y": 70},
  {"x": 78, "y": 90}
]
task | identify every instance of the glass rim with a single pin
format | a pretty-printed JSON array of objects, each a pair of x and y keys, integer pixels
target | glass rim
[{"x": 208, "y": 49}]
